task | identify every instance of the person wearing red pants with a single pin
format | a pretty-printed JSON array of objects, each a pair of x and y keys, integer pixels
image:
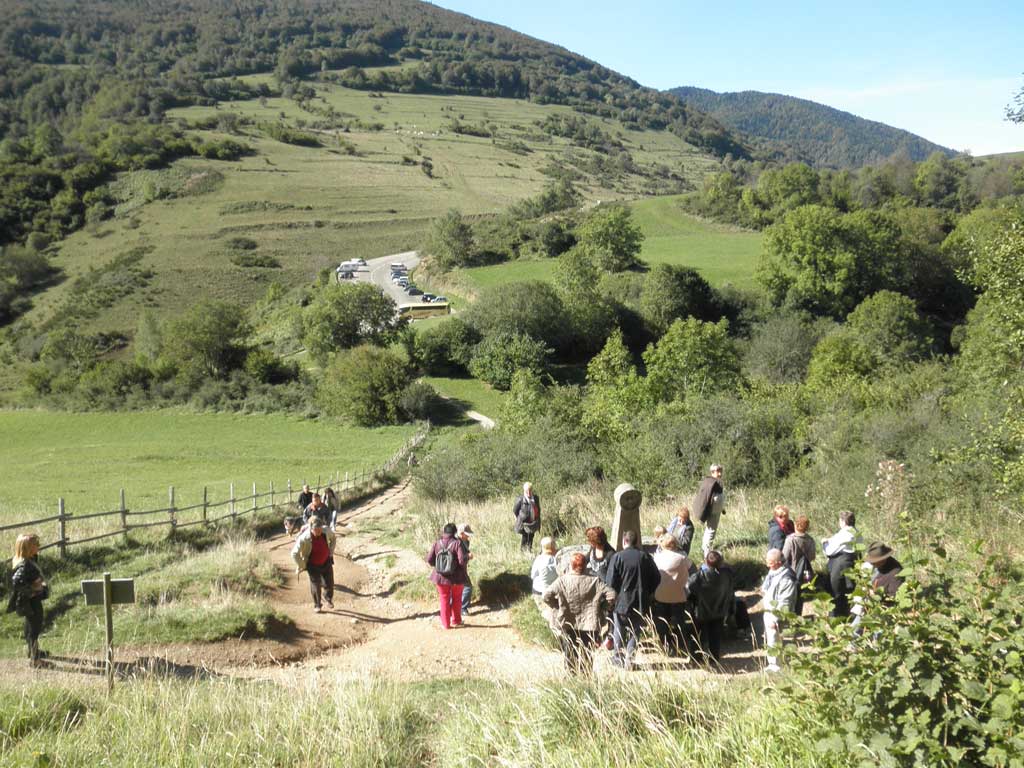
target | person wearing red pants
[{"x": 448, "y": 559}]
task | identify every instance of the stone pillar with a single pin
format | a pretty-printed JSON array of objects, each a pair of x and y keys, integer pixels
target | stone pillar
[{"x": 627, "y": 514}]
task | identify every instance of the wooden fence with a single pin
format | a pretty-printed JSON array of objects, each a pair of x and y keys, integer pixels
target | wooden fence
[{"x": 210, "y": 511}]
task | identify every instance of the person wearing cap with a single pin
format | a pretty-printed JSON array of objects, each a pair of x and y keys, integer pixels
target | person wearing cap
[
  {"x": 709, "y": 504},
  {"x": 527, "y": 513},
  {"x": 780, "y": 592},
  {"x": 314, "y": 553},
  {"x": 885, "y": 577},
  {"x": 464, "y": 532}
]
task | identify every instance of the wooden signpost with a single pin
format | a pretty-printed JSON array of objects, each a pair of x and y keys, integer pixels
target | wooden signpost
[{"x": 108, "y": 592}]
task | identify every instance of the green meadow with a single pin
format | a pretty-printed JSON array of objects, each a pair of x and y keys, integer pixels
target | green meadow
[
  {"x": 86, "y": 458},
  {"x": 722, "y": 254}
]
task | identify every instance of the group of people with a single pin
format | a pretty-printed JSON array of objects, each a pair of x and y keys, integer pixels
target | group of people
[
  {"x": 313, "y": 551},
  {"x": 610, "y": 596}
]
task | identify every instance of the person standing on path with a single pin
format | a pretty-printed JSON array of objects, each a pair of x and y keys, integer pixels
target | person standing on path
[
  {"x": 464, "y": 532},
  {"x": 634, "y": 576},
  {"x": 28, "y": 590},
  {"x": 314, "y": 553},
  {"x": 448, "y": 559},
  {"x": 713, "y": 588},
  {"x": 578, "y": 600},
  {"x": 527, "y": 514},
  {"x": 670, "y": 596},
  {"x": 779, "y": 527},
  {"x": 305, "y": 497},
  {"x": 708, "y": 505},
  {"x": 841, "y": 551},
  {"x": 780, "y": 594}
]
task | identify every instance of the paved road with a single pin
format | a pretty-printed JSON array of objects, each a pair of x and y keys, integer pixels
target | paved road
[{"x": 378, "y": 272}]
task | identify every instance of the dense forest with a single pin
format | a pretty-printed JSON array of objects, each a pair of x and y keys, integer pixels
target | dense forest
[{"x": 798, "y": 129}]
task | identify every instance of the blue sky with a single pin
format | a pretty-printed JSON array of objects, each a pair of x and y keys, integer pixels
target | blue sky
[{"x": 943, "y": 70}]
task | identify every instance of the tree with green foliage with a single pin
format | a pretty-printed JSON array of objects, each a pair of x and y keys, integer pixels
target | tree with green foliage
[
  {"x": 671, "y": 292},
  {"x": 365, "y": 385},
  {"x": 938, "y": 182},
  {"x": 500, "y": 355},
  {"x": 450, "y": 241},
  {"x": 889, "y": 324},
  {"x": 838, "y": 359},
  {"x": 208, "y": 341},
  {"x": 590, "y": 314},
  {"x": 692, "y": 359},
  {"x": 347, "y": 315},
  {"x": 532, "y": 308},
  {"x": 616, "y": 393},
  {"x": 780, "y": 346},
  {"x": 612, "y": 236},
  {"x": 446, "y": 348}
]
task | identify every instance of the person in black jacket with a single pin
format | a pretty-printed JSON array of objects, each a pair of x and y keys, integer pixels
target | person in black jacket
[
  {"x": 28, "y": 590},
  {"x": 634, "y": 576},
  {"x": 712, "y": 588},
  {"x": 305, "y": 498},
  {"x": 779, "y": 527}
]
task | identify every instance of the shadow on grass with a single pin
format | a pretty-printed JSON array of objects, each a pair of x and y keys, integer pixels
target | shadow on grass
[
  {"x": 144, "y": 666},
  {"x": 450, "y": 412},
  {"x": 503, "y": 588}
]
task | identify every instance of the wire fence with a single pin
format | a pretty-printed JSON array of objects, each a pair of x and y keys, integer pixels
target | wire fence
[{"x": 206, "y": 512}]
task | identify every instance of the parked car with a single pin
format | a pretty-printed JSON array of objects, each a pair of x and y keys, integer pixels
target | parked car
[
  {"x": 428, "y": 297},
  {"x": 412, "y": 290},
  {"x": 440, "y": 299},
  {"x": 346, "y": 275},
  {"x": 397, "y": 266},
  {"x": 360, "y": 262}
]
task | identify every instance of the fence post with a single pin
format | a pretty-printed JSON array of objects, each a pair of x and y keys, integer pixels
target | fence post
[
  {"x": 289, "y": 490},
  {"x": 346, "y": 481},
  {"x": 205, "y": 506},
  {"x": 170, "y": 509},
  {"x": 231, "y": 501},
  {"x": 254, "y": 497},
  {"x": 62, "y": 543},
  {"x": 124, "y": 517},
  {"x": 271, "y": 494}
]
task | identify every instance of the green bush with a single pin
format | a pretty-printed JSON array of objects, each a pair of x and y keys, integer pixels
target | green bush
[
  {"x": 499, "y": 356},
  {"x": 530, "y": 308},
  {"x": 344, "y": 316},
  {"x": 365, "y": 385},
  {"x": 261, "y": 260},
  {"x": 671, "y": 292},
  {"x": 446, "y": 348},
  {"x": 419, "y": 400}
]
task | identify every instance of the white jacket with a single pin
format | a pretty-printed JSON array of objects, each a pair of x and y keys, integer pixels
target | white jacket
[{"x": 304, "y": 545}]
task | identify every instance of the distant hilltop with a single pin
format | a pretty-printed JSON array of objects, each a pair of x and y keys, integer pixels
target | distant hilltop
[{"x": 798, "y": 129}]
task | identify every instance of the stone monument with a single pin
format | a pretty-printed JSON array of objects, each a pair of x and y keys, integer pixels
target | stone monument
[{"x": 627, "y": 514}]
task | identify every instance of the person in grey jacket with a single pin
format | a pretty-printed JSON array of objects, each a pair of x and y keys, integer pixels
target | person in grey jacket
[
  {"x": 527, "y": 514},
  {"x": 713, "y": 588},
  {"x": 314, "y": 553},
  {"x": 780, "y": 593},
  {"x": 578, "y": 601}
]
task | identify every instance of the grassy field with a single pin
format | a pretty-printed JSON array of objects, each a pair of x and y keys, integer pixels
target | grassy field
[
  {"x": 477, "y": 395},
  {"x": 722, "y": 254},
  {"x": 87, "y": 457},
  {"x": 364, "y": 192}
]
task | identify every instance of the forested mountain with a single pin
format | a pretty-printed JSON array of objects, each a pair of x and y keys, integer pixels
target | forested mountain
[{"x": 798, "y": 129}]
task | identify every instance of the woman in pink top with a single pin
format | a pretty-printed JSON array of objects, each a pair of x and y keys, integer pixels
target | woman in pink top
[{"x": 670, "y": 596}]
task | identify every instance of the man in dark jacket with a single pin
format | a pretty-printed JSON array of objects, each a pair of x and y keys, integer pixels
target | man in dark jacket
[
  {"x": 712, "y": 587},
  {"x": 305, "y": 497},
  {"x": 708, "y": 504},
  {"x": 634, "y": 576}
]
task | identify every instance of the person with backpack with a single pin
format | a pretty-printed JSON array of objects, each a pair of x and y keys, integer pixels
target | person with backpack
[
  {"x": 713, "y": 589},
  {"x": 709, "y": 505},
  {"x": 780, "y": 591},
  {"x": 28, "y": 590},
  {"x": 448, "y": 558},
  {"x": 314, "y": 553},
  {"x": 798, "y": 555},
  {"x": 527, "y": 514}
]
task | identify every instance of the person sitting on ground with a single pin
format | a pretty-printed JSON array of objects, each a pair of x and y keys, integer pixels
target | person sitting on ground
[
  {"x": 316, "y": 508},
  {"x": 579, "y": 600},
  {"x": 779, "y": 527},
  {"x": 670, "y": 596},
  {"x": 448, "y": 559},
  {"x": 544, "y": 571},
  {"x": 314, "y": 553},
  {"x": 780, "y": 591},
  {"x": 28, "y": 590},
  {"x": 600, "y": 553},
  {"x": 527, "y": 514},
  {"x": 305, "y": 498},
  {"x": 709, "y": 505},
  {"x": 634, "y": 576},
  {"x": 464, "y": 532},
  {"x": 713, "y": 587},
  {"x": 332, "y": 506},
  {"x": 841, "y": 551},
  {"x": 681, "y": 527}
]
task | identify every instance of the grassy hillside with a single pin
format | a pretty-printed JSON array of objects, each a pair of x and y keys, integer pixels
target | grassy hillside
[
  {"x": 722, "y": 254},
  {"x": 363, "y": 192},
  {"x": 87, "y": 457},
  {"x": 809, "y": 131}
]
